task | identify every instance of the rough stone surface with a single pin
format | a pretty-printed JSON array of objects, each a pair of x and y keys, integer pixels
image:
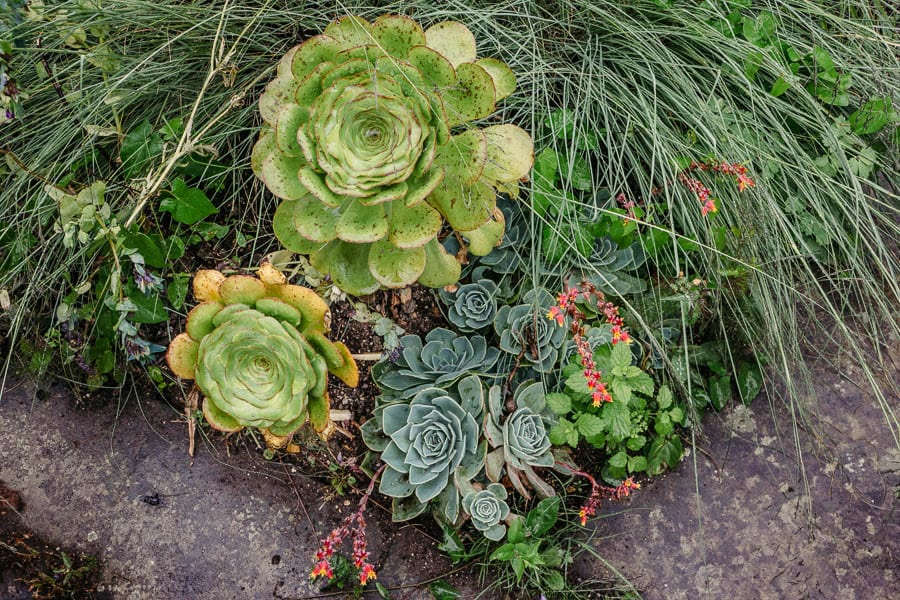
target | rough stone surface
[
  {"x": 748, "y": 516},
  {"x": 225, "y": 526}
]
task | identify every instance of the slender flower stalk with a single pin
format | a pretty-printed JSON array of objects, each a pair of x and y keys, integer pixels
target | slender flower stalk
[
  {"x": 704, "y": 194},
  {"x": 598, "y": 492},
  {"x": 354, "y": 525},
  {"x": 566, "y": 307}
]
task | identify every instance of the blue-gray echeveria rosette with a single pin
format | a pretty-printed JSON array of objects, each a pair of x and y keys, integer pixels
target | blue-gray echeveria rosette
[
  {"x": 488, "y": 509},
  {"x": 428, "y": 444},
  {"x": 473, "y": 306},
  {"x": 442, "y": 359},
  {"x": 520, "y": 439},
  {"x": 525, "y": 330},
  {"x": 369, "y": 140}
]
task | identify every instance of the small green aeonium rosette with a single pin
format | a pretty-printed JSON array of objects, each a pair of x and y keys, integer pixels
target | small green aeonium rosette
[
  {"x": 257, "y": 350},
  {"x": 358, "y": 141}
]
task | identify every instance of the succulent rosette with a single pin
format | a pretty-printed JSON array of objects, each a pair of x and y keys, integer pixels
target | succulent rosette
[
  {"x": 358, "y": 143},
  {"x": 525, "y": 330},
  {"x": 472, "y": 306},
  {"x": 443, "y": 358},
  {"x": 256, "y": 348},
  {"x": 520, "y": 439},
  {"x": 488, "y": 508},
  {"x": 431, "y": 445}
]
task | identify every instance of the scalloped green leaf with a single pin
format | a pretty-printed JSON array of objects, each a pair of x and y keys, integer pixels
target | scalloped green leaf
[
  {"x": 348, "y": 265},
  {"x": 199, "y": 322},
  {"x": 287, "y": 234},
  {"x": 395, "y": 267},
  {"x": 464, "y": 156},
  {"x": 436, "y": 70},
  {"x": 472, "y": 96},
  {"x": 290, "y": 118},
  {"x": 313, "y": 220},
  {"x": 313, "y": 52},
  {"x": 510, "y": 153},
  {"x": 279, "y": 173},
  {"x": 361, "y": 223},
  {"x": 466, "y": 207},
  {"x": 488, "y": 236},
  {"x": 281, "y": 310},
  {"x": 350, "y": 31},
  {"x": 504, "y": 79},
  {"x": 452, "y": 40},
  {"x": 219, "y": 420},
  {"x": 413, "y": 226},
  {"x": 397, "y": 34},
  {"x": 277, "y": 92},
  {"x": 441, "y": 268},
  {"x": 242, "y": 289},
  {"x": 315, "y": 184}
]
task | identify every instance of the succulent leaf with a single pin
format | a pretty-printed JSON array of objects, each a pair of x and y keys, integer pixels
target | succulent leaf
[
  {"x": 431, "y": 435},
  {"x": 453, "y": 41}
]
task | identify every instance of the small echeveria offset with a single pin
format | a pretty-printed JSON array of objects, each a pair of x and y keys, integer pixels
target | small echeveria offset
[
  {"x": 488, "y": 508},
  {"x": 367, "y": 140},
  {"x": 525, "y": 330},
  {"x": 256, "y": 348},
  {"x": 432, "y": 444},
  {"x": 473, "y": 306}
]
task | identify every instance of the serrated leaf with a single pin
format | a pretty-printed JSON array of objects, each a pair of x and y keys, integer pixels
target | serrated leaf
[
  {"x": 618, "y": 418},
  {"x": 564, "y": 433},
  {"x": 636, "y": 464},
  {"x": 636, "y": 443},
  {"x": 559, "y": 403},
  {"x": 664, "y": 398},
  {"x": 186, "y": 204},
  {"x": 621, "y": 356},
  {"x": 589, "y": 425},
  {"x": 642, "y": 383},
  {"x": 618, "y": 460},
  {"x": 577, "y": 383},
  {"x": 677, "y": 415},
  {"x": 620, "y": 390}
]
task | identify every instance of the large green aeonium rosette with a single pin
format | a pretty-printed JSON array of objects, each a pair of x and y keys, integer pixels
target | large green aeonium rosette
[
  {"x": 357, "y": 142},
  {"x": 256, "y": 348}
]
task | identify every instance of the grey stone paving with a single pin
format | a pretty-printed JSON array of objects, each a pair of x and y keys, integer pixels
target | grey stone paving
[
  {"x": 755, "y": 530},
  {"x": 748, "y": 526},
  {"x": 225, "y": 526}
]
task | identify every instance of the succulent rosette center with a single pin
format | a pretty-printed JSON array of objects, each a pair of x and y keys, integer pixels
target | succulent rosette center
[
  {"x": 255, "y": 369},
  {"x": 367, "y": 138}
]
